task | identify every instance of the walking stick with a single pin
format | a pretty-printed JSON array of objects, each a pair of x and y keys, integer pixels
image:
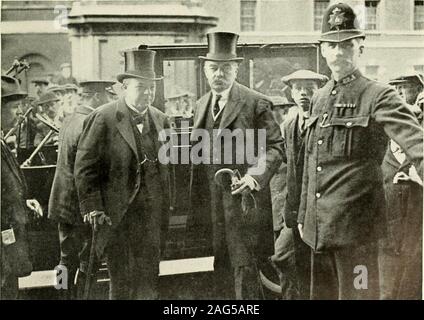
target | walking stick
[
  {"x": 235, "y": 177},
  {"x": 91, "y": 263}
]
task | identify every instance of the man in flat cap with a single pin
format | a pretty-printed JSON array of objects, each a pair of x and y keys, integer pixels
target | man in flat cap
[
  {"x": 342, "y": 207},
  {"x": 74, "y": 236},
  {"x": 122, "y": 187},
  {"x": 48, "y": 108},
  {"x": 400, "y": 256},
  {"x": 15, "y": 256},
  {"x": 238, "y": 244},
  {"x": 303, "y": 84},
  {"x": 40, "y": 85}
]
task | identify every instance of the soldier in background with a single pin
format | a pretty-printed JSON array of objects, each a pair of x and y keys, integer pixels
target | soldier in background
[
  {"x": 41, "y": 86},
  {"x": 74, "y": 236},
  {"x": 400, "y": 254}
]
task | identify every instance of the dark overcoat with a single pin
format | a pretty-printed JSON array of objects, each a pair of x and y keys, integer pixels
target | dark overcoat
[
  {"x": 245, "y": 109},
  {"x": 108, "y": 170}
]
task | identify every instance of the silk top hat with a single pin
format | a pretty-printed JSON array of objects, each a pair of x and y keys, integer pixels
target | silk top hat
[
  {"x": 416, "y": 78},
  {"x": 340, "y": 23},
  {"x": 96, "y": 86},
  {"x": 304, "y": 75},
  {"x": 10, "y": 88},
  {"x": 222, "y": 47},
  {"x": 139, "y": 64}
]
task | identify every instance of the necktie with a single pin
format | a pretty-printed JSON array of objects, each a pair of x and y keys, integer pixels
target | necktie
[{"x": 216, "y": 106}]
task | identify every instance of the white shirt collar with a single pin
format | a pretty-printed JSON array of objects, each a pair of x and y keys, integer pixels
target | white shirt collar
[{"x": 224, "y": 94}]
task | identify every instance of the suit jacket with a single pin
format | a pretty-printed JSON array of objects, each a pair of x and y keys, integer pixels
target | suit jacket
[
  {"x": 293, "y": 157},
  {"x": 342, "y": 202},
  {"x": 107, "y": 167},
  {"x": 245, "y": 109},
  {"x": 63, "y": 201}
]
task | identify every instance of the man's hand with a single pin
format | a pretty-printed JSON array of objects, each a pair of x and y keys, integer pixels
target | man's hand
[
  {"x": 411, "y": 176},
  {"x": 96, "y": 219},
  {"x": 35, "y": 207},
  {"x": 247, "y": 183},
  {"x": 300, "y": 228}
]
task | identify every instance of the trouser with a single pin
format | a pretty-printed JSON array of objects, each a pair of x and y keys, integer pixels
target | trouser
[
  {"x": 240, "y": 282},
  {"x": 75, "y": 243},
  {"x": 346, "y": 274},
  {"x": 133, "y": 268},
  {"x": 292, "y": 260}
]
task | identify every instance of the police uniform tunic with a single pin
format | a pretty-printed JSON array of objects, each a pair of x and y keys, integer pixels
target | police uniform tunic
[{"x": 342, "y": 201}]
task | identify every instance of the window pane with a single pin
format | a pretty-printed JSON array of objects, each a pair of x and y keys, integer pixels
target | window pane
[
  {"x": 247, "y": 15},
  {"x": 319, "y": 9},
  {"x": 371, "y": 15},
  {"x": 419, "y": 15}
]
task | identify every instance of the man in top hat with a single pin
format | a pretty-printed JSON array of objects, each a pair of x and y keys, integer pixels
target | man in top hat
[
  {"x": 238, "y": 244},
  {"x": 74, "y": 236},
  {"x": 303, "y": 84},
  {"x": 122, "y": 188},
  {"x": 400, "y": 253},
  {"x": 48, "y": 106},
  {"x": 15, "y": 257},
  {"x": 66, "y": 75},
  {"x": 341, "y": 215},
  {"x": 40, "y": 85}
]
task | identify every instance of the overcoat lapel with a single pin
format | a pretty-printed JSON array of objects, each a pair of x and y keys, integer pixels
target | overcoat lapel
[{"x": 124, "y": 126}]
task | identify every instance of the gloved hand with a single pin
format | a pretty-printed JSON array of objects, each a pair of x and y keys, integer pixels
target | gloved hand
[
  {"x": 97, "y": 218},
  {"x": 35, "y": 207},
  {"x": 245, "y": 184}
]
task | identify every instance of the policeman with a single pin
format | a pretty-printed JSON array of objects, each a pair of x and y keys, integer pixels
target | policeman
[
  {"x": 400, "y": 253},
  {"x": 342, "y": 211}
]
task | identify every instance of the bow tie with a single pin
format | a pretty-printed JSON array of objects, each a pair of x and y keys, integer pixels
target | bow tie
[{"x": 138, "y": 118}]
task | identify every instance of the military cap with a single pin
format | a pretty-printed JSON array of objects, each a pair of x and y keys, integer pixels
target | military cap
[
  {"x": 10, "y": 88},
  {"x": 417, "y": 78},
  {"x": 47, "y": 97},
  {"x": 56, "y": 88},
  {"x": 93, "y": 86},
  {"x": 304, "y": 75},
  {"x": 65, "y": 65},
  {"x": 40, "y": 80},
  {"x": 340, "y": 23},
  {"x": 70, "y": 86}
]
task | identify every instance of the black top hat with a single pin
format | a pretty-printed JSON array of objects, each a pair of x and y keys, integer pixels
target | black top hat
[
  {"x": 340, "y": 23},
  {"x": 222, "y": 47},
  {"x": 139, "y": 64},
  {"x": 96, "y": 86},
  {"x": 11, "y": 89}
]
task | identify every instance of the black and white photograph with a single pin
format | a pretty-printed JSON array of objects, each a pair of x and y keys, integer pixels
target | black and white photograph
[{"x": 232, "y": 151}]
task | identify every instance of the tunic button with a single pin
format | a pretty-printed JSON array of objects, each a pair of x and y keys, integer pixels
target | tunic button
[
  {"x": 320, "y": 142},
  {"x": 348, "y": 124},
  {"x": 318, "y": 195},
  {"x": 334, "y": 92},
  {"x": 319, "y": 169}
]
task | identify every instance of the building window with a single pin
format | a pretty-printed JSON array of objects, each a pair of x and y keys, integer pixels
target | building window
[
  {"x": 319, "y": 9},
  {"x": 247, "y": 15},
  {"x": 371, "y": 15},
  {"x": 371, "y": 71},
  {"x": 419, "y": 68},
  {"x": 419, "y": 15}
]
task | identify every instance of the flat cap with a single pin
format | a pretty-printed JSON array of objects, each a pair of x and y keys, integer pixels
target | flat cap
[
  {"x": 304, "y": 75},
  {"x": 413, "y": 77}
]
